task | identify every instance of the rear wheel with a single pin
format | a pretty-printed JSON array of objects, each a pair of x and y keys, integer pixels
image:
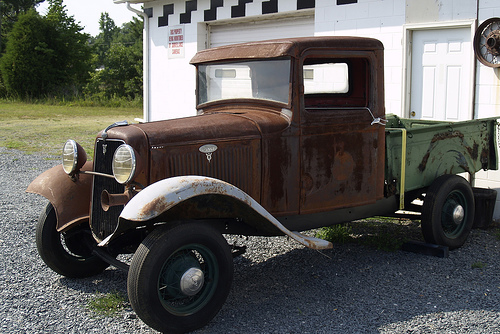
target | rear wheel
[
  {"x": 448, "y": 211},
  {"x": 68, "y": 253},
  {"x": 179, "y": 278}
]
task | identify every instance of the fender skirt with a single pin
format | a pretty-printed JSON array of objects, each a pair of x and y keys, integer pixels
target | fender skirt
[{"x": 162, "y": 196}]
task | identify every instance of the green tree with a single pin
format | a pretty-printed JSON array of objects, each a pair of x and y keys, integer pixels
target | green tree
[
  {"x": 130, "y": 33},
  {"x": 72, "y": 52},
  {"x": 108, "y": 33},
  {"x": 45, "y": 55},
  {"x": 9, "y": 11},
  {"x": 119, "y": 67},
  {"x": 120, "y": 76},
  {"x": 21, "y": 66}
]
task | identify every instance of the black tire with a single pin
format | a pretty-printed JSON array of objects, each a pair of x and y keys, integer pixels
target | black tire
[
  {"x": 68, "y": 253},
  {"x": 164, "y": 261},
  {"x": 448, "y": 211}
]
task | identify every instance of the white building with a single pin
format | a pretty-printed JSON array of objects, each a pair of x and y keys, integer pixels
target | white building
[{"x": 430, "y": 68}]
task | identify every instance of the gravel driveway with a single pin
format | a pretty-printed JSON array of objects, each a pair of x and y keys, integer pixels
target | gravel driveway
[{"x": 279, "y": 287}]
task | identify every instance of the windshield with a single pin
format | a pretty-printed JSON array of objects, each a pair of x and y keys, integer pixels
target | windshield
[{"x": 258, "y": 79}]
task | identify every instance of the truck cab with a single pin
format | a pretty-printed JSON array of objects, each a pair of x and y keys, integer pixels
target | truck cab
[{"x": 324, "y": 93}]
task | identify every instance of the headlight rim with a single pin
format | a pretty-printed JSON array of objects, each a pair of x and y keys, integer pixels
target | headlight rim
[
  {"x": 133, "y": 171},
  {"x": 79, "y": 157}
]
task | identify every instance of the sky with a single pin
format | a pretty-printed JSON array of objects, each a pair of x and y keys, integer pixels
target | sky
[{"x": 88, "y": 12}]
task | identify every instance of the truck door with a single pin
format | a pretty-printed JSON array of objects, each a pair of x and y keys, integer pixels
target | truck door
[{"x": 342, "y": 152}]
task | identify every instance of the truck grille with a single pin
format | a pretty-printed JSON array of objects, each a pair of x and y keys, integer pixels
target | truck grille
[{"x": 103, "y": 223}]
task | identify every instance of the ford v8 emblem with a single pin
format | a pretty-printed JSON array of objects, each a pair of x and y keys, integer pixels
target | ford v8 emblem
[{"x": 208, "y": 149}]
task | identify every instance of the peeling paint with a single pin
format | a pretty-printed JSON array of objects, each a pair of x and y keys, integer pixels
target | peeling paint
[{"x": 163, "y": 195}]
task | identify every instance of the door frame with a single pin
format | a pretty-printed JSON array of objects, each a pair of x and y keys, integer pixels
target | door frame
[{"x": 407, "y": 59}]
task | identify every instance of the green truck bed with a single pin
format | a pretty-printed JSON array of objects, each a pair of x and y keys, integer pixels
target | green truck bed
[{"x": 434, "y": 148}]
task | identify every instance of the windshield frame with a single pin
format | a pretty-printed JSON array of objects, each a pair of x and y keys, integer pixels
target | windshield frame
[{"x": 267, "y": 64}]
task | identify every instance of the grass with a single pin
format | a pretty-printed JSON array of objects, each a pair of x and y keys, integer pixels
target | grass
[
  {"x": 496, "y": 233},
  {"x": 107, "y": 304},
  {"x": 44, "y": 128},
  {"x": 387, "y": 234},
  {"x": 478, "y": 265},
  {"x": 340, "y": 233}
]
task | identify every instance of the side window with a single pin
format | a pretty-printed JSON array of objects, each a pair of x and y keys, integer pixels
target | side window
[
  {"x": 335, "y": 83},
  {"x": 329, "y": 78}
]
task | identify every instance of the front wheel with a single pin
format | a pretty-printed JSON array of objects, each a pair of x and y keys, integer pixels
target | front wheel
[
  {"x": 68, "y": 253},
  {"x": 180, "y": 277},
  {"x": 448, "y": 211}
]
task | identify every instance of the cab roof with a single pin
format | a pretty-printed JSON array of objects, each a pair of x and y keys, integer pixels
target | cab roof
[{"x": 277, "y": 48}]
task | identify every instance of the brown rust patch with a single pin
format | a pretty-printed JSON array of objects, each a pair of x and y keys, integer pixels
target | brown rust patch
[
  {"x": 158, "y": 205},
  {"x": 447, "y": 135},
  {"x": 473, "y": 151},
  {"x": 437, "y": 138},
  {"x": 485, "y": 153},
  {"x": 423, "y": 163}
]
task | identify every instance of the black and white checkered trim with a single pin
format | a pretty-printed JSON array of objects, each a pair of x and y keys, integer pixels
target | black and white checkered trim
[{"x": 239, "y": 10}]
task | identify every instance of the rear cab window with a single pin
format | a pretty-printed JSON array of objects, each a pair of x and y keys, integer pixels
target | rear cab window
[{"x": 331, "y": 84}]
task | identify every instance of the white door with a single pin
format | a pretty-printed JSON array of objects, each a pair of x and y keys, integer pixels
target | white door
[
  {"x": 441, "y": 83},
  {"x": 225, "y": 34}
]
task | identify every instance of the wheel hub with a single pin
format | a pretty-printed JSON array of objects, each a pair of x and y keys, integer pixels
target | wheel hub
[
  {"x": 192, "y": 281},
  {"x": 493, "y": 43},
  {"x": 458, "y": 214}
]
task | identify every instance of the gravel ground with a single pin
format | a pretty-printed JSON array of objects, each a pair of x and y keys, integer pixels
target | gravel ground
[{"x": 279, "y": 287}]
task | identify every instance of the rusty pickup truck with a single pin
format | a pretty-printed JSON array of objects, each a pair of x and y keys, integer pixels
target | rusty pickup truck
[{"x": 290, "y": 135}]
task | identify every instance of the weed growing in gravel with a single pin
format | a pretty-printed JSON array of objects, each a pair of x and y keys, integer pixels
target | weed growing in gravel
[
  {"x": 107, "y": 304},
  {"x": 497, "y": 233},
  {"x": 339, "y": 234},
  {"x": 387, "y": 234},
  {"x": 478, "y": 265}
]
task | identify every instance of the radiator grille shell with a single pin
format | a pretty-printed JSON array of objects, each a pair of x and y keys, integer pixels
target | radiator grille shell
[{"x": 103, "y": 223}]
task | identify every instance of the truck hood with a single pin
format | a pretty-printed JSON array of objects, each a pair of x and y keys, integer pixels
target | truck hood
[{"x": 213, "y": 126}]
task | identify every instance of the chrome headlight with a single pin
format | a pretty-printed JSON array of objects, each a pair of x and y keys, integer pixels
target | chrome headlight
[
  {"x": 124, "y": 164},
  {"x": 73, "y": 157}
]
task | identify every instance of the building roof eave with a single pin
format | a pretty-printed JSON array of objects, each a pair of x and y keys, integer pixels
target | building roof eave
[{"x": 131, "y": 1}]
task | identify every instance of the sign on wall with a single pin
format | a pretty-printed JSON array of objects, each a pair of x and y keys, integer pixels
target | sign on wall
[{"x": 176, "y": 42}]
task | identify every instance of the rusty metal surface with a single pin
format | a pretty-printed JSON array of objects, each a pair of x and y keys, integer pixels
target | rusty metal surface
[
  {"x": 71, "y": 199},
  {"x": 291, "y": 47},
  {"x": 435, "y": 148},
  {"x": 164, "y": 195},
  {"x": 234, "y": 121},
  {"x": 136, "y": 137},
  {"x": 342, "y": 153}
]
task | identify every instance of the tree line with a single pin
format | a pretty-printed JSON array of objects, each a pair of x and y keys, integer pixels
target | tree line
[{"x": 49, "y": 56}]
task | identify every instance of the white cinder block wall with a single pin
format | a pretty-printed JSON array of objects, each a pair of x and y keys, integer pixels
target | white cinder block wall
[{"x": 380, "y": 19}]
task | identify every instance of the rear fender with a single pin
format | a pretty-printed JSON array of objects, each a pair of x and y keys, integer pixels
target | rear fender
[
  {"x": 168, "y": 195},
  {"x": 70, "y": 198}
]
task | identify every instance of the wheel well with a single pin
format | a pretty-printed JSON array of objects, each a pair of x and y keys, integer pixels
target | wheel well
[{"x": 226, "y": 213}]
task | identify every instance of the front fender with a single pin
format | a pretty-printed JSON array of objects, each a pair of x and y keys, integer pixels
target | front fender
[
  {"x": 162, "y": 196},
  {"x": 70, "y": 199}
]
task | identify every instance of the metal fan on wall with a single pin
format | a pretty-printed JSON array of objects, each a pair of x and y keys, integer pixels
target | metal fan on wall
[{"x": 487, "y": 42}]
